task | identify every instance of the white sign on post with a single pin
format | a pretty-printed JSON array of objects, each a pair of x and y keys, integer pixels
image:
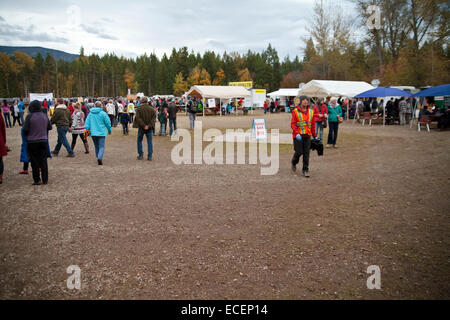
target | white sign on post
[
  {"x": 259, "y": 129},
  {"x": 211, "y": 103}
]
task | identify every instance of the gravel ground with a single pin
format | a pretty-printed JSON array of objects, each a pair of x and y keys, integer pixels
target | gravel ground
[{"x": 155, "y": 230}]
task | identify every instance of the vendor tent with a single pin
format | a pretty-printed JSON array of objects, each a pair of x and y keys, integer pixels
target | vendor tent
[
  {"x": 220, "y": 92},
  {"x": 383, "y": 92},
  {"x": 284, "y": 93},
  {"x": 438, "y": 91},
  {"x": 324, "y": 88}
]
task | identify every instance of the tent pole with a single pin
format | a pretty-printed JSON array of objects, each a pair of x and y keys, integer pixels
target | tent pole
[
  {"x": 220, "y": 106},
  {"x": 384, "y": 113},
  {"x": 204, "y": 108}
]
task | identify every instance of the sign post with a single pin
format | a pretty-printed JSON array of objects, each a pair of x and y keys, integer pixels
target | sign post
[{"x": 259, "y": 131}]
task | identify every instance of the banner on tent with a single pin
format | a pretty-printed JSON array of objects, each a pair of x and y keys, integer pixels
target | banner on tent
[
  {"x": 259, "y": 131},
  {"x": 41, "y": 96},
  {"x": 245, "y": 84},
  {"x": 211, "y": 103}
]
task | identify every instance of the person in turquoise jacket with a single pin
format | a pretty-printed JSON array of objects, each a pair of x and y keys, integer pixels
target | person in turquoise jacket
[
  {"x": 334, "y": 110},
  {"x": 99, "y": 126}
]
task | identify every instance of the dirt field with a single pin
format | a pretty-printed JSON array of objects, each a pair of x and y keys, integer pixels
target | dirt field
[{"x": 154, "y": 230}]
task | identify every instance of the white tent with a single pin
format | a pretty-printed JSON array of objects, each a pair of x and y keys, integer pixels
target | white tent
[
  {"x": 324, "y": 88},
  {"x": 220, "y": 92},
  {"x": 41, "y": 96},
  {"x": 284, "y": 93}
]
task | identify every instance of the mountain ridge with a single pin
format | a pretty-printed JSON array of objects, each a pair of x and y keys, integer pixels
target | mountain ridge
[{"x": 33, "y": 51}]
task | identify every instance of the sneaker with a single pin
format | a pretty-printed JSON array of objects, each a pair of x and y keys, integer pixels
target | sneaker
[
  {"x": 37, "y": 183},
  {"x": 54, "y": 153},
  {"x": 293, "y": 168},
  {"x": 23, "y": 172},
  {"x": 100, "y": 162},
  {"x": 306, "y": 174},
  {"x": 71, "y": 155},
  {"x": 149, "y": 159},
  {"x": 140, "y": 158},
  {"x": 335, "y": 146},
  {"x": 44, "y": 183}
]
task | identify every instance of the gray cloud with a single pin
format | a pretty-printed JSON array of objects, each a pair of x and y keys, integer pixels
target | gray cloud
[
  {"x": 15, "y": 32},
  {"x": 98, "y": 32}
]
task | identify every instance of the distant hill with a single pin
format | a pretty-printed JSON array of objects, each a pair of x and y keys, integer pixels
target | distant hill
[{"x": 33, "y": 51}]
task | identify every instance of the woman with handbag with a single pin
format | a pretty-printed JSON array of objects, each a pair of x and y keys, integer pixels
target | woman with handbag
[
  {"x": 320, "y": 117},
  {"x": 334, "y": 118}
]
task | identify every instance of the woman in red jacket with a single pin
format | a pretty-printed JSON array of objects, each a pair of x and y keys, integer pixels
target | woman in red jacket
[
  {"x": 3, "y": 149},
  {"x": 320, "y": 114}
]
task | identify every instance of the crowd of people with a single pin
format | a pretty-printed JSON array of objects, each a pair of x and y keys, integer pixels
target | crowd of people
[{"x": 89, "y": 118}]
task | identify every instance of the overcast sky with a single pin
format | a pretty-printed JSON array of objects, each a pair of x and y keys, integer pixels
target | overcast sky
[{"x": 133, "y": 27}]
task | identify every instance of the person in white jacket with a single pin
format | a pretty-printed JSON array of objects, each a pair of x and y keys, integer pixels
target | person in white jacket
[
  {"x": 111, "y": 111},
  {"x": 77, "y": 128}
]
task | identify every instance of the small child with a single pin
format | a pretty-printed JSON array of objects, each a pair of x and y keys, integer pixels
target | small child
[
  {"x": 124, "y": 120},
  {"x": 162, "y": 117},
  {"x": 24, "y": 154}
]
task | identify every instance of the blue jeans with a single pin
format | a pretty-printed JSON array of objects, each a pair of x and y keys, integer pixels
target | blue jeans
[
  {"x": 319, "y": 130},
  {"x": 333, "y": 132},
  {"x": 21, "y": 117},
  {"x": 62, "y": 140},
  {"x": 99, "y": 145},
  {"x": 7, "y": 120},
  {"x": 149, "y": 135},
  {"x": 173, "y": 125},
  {"x": 192, "y": 120}
]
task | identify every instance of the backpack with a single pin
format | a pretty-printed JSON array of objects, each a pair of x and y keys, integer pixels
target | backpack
[{"x": 194, "y": 107}]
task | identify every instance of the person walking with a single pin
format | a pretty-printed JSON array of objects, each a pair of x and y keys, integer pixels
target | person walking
[
  {"x": 131, "y": 110},
  {"x": 3, "y": 148},
  {"x": 111, "y": 109},
  {"x": 21, "y": 106},
  {"x": 303, "y": 128},
  {"x": 402, "y": 110},
  {"x": 172, "y": 110},
  {"x": 98, "y": 124},
  {"x": 35, "y": 130},
  {"x": 125, "y": 120},
  {"x": 45, "y": 106},
  {"x": 320, "y": 118},
  {"x": 162, "y": 117},
  {"x": 192, "y": 110},
  {"x": 15, "y": 113},
  {"x": 145, "y": 122},
  {"x": 77, "y": 128},
  {"x": 6, "y": 109},
  {"x": 62, "y": 119},
  {"x": 334, "y": 117},
  {"x": 408, "y": 111}
]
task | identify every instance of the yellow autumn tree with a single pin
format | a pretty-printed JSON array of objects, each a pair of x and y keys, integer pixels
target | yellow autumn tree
[
  {"x": 180, "y": 86},
  {"x": 220, "y": 78},
  {"x": 129, "y": 78},
  {"x": 244, "y": 75}
]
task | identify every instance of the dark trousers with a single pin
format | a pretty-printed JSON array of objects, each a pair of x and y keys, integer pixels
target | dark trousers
[
  {"x": 74, "y": 139},
  {"x": 112, "y": 119},
  {"x": 2, "y": 167},
  {"x": 7, "y": 119},
  {"x": 333, "y": 132},
  {"x": 16, "y": 119},
  {"x": 37, "y": 152},
  {"x": 125, "y": 128},
  {"x": 302, "y": 148}
]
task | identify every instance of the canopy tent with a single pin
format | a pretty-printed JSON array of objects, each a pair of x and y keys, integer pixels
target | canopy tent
[
  {"x": 325, "y": 88},
  {"x": 438, "y": 91},
  {"x": 284, "y": 93},
  {"x": 383, "y": 92},
  {"x": 220, "y": 92}
]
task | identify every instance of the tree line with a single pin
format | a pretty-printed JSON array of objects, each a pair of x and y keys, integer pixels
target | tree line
[{"x": 410, "y": 47}]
